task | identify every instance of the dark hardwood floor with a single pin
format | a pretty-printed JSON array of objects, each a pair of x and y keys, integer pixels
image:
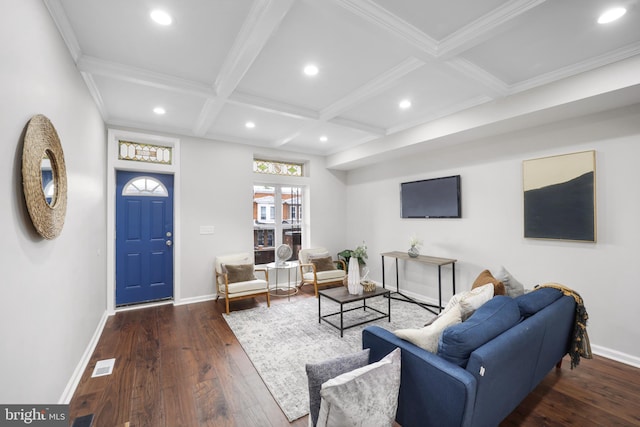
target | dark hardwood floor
[{"x": 182, "y": 366}]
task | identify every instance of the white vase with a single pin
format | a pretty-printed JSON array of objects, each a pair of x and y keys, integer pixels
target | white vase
[
  {"x": 353, "y": 278},
  {"x": 413, "y": 251}
]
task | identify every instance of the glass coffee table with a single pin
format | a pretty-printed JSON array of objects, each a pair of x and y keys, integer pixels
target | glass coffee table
[{"x": 342, "y": 296}]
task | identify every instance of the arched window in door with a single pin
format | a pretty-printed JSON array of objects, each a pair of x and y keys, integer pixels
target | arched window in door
[{"x": 145, "y": 186}]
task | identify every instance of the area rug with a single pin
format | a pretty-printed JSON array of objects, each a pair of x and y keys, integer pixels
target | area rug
[{"x": 280, "y": 340}]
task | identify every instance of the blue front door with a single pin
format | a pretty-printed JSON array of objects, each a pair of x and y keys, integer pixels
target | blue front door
[{"x": 144, "y": 237}]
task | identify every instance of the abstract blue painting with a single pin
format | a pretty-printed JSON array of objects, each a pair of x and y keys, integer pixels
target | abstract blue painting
[{"x": 560, "y": 198}]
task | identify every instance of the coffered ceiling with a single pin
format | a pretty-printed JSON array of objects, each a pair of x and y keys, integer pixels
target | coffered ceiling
[{"x": 224, "y": 63}]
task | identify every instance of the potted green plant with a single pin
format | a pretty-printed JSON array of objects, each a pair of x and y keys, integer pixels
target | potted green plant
[{"x": 360, "y": 253}]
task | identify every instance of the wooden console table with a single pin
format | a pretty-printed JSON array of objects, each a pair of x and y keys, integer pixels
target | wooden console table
[{"x": 439, "y": 262}]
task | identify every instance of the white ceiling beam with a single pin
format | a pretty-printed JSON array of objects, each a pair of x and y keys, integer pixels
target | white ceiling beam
[
  {"x": 262, "y": 21},
  {"x": 494, "y": 85},
  {"x": 384, "y": 19},
  {"x": 100, "y": 67},
  {"x": 443, "y": 112},
  {"x": 357, "y": 125},
  {"x": 484, "y": 27},
  {"x": 272, "y": 106},
  {"x": 613, "y": 86},
  {"x": 372, "y": 88},
  {"x": 208, "y": 113}
]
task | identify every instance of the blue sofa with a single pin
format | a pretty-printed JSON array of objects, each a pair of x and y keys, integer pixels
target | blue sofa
[{"x": 485, "y": 366}]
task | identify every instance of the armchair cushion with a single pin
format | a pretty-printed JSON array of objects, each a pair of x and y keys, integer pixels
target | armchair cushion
[
  {"x": 324, "y": 263},
  {"x": 325, "y": 276},
  {"x": 248, "y": 286},
  {"x": 239, "y": 272}
]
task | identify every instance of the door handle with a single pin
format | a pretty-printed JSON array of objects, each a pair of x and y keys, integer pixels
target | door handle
[{"x": 168, "y": 243}]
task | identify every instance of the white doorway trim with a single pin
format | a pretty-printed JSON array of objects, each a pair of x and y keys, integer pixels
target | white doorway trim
[{"x": 114, "y": 164}]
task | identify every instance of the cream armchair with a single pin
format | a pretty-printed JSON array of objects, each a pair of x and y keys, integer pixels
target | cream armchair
[
  {"x": 236, "y": 279},
  {"x": 322, "y": 271}
]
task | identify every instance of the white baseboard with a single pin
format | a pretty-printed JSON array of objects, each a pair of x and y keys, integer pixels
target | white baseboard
[
  {"x": 618, "y": 356},
  {"x": 193, "y": 300},
  {"x": 70, "y": 389}
]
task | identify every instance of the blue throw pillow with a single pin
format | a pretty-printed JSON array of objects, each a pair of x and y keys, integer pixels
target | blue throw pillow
[
  {"x": 536, "y": 300},
  {"x": 457, "y": 342}
]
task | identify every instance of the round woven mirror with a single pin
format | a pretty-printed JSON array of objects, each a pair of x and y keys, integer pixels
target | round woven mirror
[{"x": 44, "y": 177}]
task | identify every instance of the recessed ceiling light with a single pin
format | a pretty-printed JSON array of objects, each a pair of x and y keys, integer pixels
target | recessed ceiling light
[
  {"x": 404, "y": 104},
  {"x": 250, "y": 125},
  {"x": 159, "y": 111},
  {"x": 324, "y": 138},
  {"x": 161, "y": 17},
  {"x": 311, "y": 70},
  {"x": 611, "y": 15}
]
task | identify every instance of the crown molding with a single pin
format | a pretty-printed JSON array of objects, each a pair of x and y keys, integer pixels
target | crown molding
[
  {"x": 620, "y": 54},
  {"x": 372, "y": 12},
  {"x": 95, "y": 94},
  {"x": 56, "y": 10},
  {"x": 96, "y": 66},
  {"x": 147, "y": 127}
]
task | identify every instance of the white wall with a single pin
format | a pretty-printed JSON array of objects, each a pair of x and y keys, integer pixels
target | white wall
[
  {"x": 53, "y": 292},
  {"x": 490, "y": 234},
  {"x": 217, "y": 189}
]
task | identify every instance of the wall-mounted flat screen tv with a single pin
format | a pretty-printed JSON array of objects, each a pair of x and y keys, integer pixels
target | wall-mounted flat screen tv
[{"x": 431, "y": 198}]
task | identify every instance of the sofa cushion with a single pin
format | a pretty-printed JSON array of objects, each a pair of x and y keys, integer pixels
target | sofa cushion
[
  {"x": 319, "y": 373},
  {"x": 428, "y": 336},
  {"x": 324, "y": 263},
  {"x": 534, "y": 301},
  {"x": 367, "y": 396},
  {"x": 486, "y": 277},
  {"x": 239, "y": 272},
  {"x": 457, "y": 342}
]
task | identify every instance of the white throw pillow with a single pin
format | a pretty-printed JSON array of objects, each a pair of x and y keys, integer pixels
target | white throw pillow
[
  {"x": 428, "y": 336},
  {"x": 512, "y": 287},
  {"x": 366, "y": 396},
  {"x": 473, "y": 299}
]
